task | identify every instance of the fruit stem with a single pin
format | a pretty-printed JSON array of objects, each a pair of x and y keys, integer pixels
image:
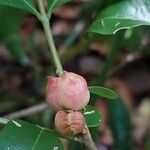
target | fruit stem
[
  {"x": 46, "y": 25},
  {"x": 88, "y": 141}
]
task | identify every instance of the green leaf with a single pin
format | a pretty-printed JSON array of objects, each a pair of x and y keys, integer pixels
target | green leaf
[
  {"x": 119, "y": 122},
  {"x": 20, "y": 135},
  {"x": 22, "y": 4},
  {"x": 123, "y": 15},
  {"x": 92, "y": 117},
  {"x": 52, "y": 4},
  {"x": 13, "y": 43},
  {"x": 103, "y": 92},
  {"x": 11, "y": 25},
  {"x": 133, "y": 38},
  {"x": 10, "y": 32},
  {"x": 148, "y": 144}
]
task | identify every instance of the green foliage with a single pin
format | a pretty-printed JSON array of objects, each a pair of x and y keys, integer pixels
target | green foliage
[
  {"x": 119, "y": 122},
  {"x": 148, "y": 144},
  {"x": 14, "y": 45},
  {"x": 21, "y": 135},
  {"x": 133, "y": 38},
  {"x": 10, "y": 32},
  {"x": 92, "y": 116},
  {"x": 123, "y": 15},
  {"x": 89, "y": 8},
  {"x": 52, "y": 4},
  {"x": 27, "y": 5},
  {"x": 103, "y": 92},
  {"x": 12, "y": 25}
]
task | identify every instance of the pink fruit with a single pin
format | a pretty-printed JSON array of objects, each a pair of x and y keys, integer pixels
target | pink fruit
[
  {"x": 69, "y": 123},
  {"x": 68, "y": 91}
]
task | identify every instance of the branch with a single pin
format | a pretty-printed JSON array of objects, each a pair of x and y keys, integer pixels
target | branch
[
  {"x": 27, "y": 112},
  {"x": 48, "y": 33}
]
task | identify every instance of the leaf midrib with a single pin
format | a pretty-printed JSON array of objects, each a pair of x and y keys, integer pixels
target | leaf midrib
[
  {"x": 37, "y": 139},
  {"x": 99, "y": 20},
  {"x": 53, "y": 4},
  {"x": 28, "y": 4}
]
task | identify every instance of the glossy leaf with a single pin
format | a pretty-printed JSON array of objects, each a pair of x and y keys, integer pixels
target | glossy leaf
[
  {"x": 52, "y": 4},
  {"x": 103, "y": 92},
  {"x": 133, "y": 38},
  {"x": 123, "y": 15},
  {"x": 20, "y": 135},
  {"x": 92, "y": 116},
  {"x": 22, "y": 4}
]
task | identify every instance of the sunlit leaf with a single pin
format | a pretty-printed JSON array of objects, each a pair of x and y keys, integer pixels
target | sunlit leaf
[
  {"x": 123, "y": 15},
  {"x": 92, "y": 116},
  {"x": 103, "y": 92},
  {"x": 20, "y": 135},
  {"x": 22, "y": 4}
]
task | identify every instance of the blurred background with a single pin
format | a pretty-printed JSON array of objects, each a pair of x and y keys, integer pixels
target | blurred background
[{"x": 120, "y": 62}]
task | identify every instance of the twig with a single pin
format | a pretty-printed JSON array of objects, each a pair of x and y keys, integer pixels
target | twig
[
  {"x": 27, "y": 112},
  {"x": 48, "y": 33},
  {"x": 88, "y": 141}
]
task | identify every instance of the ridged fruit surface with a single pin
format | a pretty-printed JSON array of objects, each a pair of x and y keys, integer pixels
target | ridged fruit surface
[
  {"x": 68, "y": 91},
  {"x": 69, "y": 123}
]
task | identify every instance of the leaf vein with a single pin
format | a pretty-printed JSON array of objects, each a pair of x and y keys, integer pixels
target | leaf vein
[
  {"x": 53, "y": 4},
  {"x": 37, "y": 139},
  {"x": 28, "y": 4}
]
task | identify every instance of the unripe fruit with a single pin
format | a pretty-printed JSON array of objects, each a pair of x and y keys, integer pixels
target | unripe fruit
[
  {"x": 69, "y": 123},
  {"x": 68, "y": 91}
]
